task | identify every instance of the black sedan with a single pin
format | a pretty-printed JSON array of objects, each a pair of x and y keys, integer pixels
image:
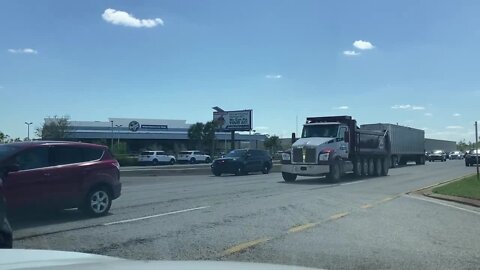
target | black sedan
[
  {"x": 243, "y": 161},
  {"x": 471, "y": 157}
]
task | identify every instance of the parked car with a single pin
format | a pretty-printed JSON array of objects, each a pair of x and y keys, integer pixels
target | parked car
[
  {"x": 437, "y": 155},
  {"x": 243, "y": 161},
  {"x": 59, "y": 175},
  {"x": 471, "y": 157},
  {"x": 455, "y": 155},
  {"x": 193, "y": 156},
  {"x": 155, "y": 158},
  {"x": 6, "y": 238}
]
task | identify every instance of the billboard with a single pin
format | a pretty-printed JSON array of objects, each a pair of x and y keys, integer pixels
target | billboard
[{"x": 234, "y": 120}]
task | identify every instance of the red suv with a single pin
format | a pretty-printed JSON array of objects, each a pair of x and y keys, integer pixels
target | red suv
[{"x": 59, "y": 175}]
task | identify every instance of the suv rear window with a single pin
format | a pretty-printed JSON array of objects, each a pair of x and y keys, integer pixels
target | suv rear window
[
  {"x": 61, "y": 155},
  {"x": 90, "y": 154},
  {"x": 147, "y": 153}
]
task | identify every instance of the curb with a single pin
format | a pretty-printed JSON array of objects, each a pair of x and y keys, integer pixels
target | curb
[{"x": 428, "y": 192}]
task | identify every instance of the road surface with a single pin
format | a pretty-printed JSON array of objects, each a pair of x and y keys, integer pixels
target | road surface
[{"x": 369, "y": 223}]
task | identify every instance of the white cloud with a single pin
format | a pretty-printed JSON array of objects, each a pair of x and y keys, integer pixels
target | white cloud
[
  {"x": 408, "y": 107},
  {"x": 273, "y": 76},
  {"x": 456, "y": 114},
  {"x": 23, "y": 51},
  {"x": 363, "y": 45},
  {"x": 428, "y": 114},
  {"x": 341, "y": 108},
  {"x": 119, "y": 17},
  {"x": 351, "y": 53},
  {"x": 454, "y": 127}
]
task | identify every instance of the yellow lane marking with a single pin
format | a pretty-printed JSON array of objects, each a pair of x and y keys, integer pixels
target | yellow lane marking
[
  {"x": 245, "y": 246},
  {"x": 301, "y": 227},
  {"x": 386, "y": 199},
  {"x": 339, "y": 215},
  {"x": 365, "y": 206}
]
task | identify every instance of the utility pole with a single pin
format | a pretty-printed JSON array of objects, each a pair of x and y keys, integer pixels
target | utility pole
[
  {"x": 118, "y": 135},
  {"x": 28, "y": 129},
  {"x": 111, "y": 141},
  {"x": 476, "y": 149}
]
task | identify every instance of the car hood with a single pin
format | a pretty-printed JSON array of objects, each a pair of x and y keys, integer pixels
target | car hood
[
  {"x": 314, "y": 141},
  {"x": 48, "y": 259}
]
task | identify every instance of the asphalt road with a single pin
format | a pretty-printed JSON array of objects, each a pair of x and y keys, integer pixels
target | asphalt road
[{"x": 369, "y": 223}]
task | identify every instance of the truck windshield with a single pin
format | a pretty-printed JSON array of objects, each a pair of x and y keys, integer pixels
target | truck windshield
[{"x": 325, "y": 131}]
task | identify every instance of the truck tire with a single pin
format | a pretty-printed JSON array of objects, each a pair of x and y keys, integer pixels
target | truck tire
[
  {"x": 385, "y": 166},
  {"x": 357, "y": 167},
  {"x": 378, "y": 166},
  {"x": 364, "y": 167},
  {"x": 420, "y": 160},
  {"x": 335, "y": 172},
  {"x": 289, "y": 177},
  {"x": 371, "y": 167},
  {"x": 394, "y": 162}
]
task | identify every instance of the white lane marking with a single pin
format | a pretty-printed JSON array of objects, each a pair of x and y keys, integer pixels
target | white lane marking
[
  {"x": 442, "y": 203},
  {"x": 352, "y": 183},
  {"x": 154, "y": 216}
]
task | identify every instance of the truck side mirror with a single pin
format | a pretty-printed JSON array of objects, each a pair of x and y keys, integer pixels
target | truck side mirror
[
  {"x": 346, "y": 137},
  {"x": 293, "y": 138}
]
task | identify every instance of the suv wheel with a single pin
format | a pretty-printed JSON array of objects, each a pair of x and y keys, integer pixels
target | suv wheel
[
  {"x": 266, "y": 168},
  {"x": 98, "y": 202},
  {"x": 207, "y": 160},
  {"x": 155, "y": 162},
  {"x": 172, "y": 161},
  {"x": 193, "y": 161},
  {"x": 240, "y": 171}
]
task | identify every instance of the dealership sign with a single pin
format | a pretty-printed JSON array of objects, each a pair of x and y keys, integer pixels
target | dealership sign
[
  {"x": 135, "y": 126},
  {"x": 234, "y": 120}
]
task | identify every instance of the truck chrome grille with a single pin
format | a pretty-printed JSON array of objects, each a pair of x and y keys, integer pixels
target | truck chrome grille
[
  {"x": 297, "y": 155},
  {"x": 310, "y": 155}
]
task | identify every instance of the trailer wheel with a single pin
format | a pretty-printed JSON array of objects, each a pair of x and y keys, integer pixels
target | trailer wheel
[
  {"x": 378, "y": 167},
  {"x": 385, "y": 166},
  {"x": 371, "y": 167},
  {"x": 357, "y": 167},
  {"x": 364, "y": 167}
]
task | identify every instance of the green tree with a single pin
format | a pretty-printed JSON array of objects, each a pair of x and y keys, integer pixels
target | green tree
[
  {"x": 208, "y": 136},
  {"x": 3, "y": 137},
  {"x": 55, "y": 128},
  {"x": 195, "y": 134},
  {"x": 272, "y": 143}
]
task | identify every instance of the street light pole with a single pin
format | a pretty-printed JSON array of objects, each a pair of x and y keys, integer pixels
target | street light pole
[
  {"x": 28, "y": 129},
  {"x": 118, "y": 133},
  {"x": 476, "y": 148},
  {"x": 111, "y": 141}
]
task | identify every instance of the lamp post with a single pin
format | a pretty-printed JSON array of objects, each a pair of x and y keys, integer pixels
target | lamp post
[
  {"x": 118, "y": 133},
  {"x": 111, "y": 139},
  {"x": 28, "y": 129}
]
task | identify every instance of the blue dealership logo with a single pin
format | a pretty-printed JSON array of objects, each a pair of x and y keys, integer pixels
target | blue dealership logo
[{"x": 133, "y": 126}]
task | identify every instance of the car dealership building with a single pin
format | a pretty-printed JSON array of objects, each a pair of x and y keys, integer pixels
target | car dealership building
[{"x": 141, "y": 134}]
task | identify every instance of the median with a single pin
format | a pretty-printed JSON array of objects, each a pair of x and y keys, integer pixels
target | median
[{"x": 465, "y": 190}]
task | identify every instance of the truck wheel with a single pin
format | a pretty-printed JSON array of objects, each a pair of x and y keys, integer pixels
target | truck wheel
[
  {"x": 420, "y": 161},
  {"x": 385, "y": 166},
  {"x": 289, "y": 177},
  {"x": 394, "y": 162},
  {"x": 378, "y": 167},
  {"x": 335, "y": 174},
  {"x": 371, "y": 167},
  {"x": 357, "y": 168},
  {"x": 364, "y": 167}
]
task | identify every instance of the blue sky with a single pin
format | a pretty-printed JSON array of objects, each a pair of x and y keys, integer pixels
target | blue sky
[{"x": 409, "y": 62}]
